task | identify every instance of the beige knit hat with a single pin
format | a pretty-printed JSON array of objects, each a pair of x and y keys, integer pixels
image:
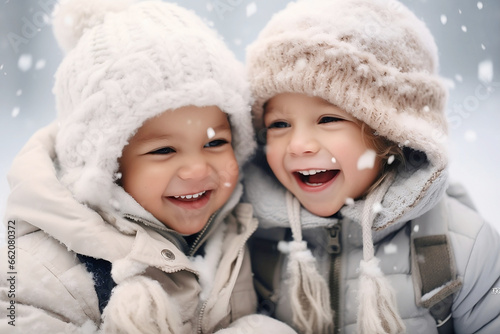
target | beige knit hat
[
  {"x": 376, "y": 60},
  {"x": 372, "y": 58},
  {"x": 127, "y": 62}
]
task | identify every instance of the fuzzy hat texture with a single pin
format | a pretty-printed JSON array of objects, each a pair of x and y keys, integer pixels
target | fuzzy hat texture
[
  {"x": 127, "y": 62},
  {"x": 373, "y": 58}
]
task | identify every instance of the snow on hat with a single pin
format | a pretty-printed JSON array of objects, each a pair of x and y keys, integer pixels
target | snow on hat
[
  {"x": 373, "y": 58},
  {"x": 377, "y": 61},
  {"x": 128, "y": 62}
]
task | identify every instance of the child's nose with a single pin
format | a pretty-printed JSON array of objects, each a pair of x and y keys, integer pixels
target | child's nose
[
  {"x": 303, "y": 142},
  {"x": 194, "y": 169}
]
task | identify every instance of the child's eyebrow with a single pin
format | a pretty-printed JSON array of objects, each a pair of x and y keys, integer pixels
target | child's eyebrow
[{"x": 153, "y": 135}]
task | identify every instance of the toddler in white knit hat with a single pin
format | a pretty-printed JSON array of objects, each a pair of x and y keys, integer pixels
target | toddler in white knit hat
[
  {"x": 350, "y": 188},
  {"x": 127, "y": 210}
]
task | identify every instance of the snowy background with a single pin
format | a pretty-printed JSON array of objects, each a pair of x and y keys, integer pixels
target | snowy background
[{"x": 466, "y": 31}]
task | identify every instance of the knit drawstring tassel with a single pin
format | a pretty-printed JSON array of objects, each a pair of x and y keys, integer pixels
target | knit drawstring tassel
[
  {"x": 377, "y": 312},
  {"x": 377, "y": 306},
  {"x": 310, "y": 297}
]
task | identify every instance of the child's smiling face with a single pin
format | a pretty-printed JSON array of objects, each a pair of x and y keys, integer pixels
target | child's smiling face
[
  {"x": 313, "y": 148},
  {"x": 180, "y": 166}
]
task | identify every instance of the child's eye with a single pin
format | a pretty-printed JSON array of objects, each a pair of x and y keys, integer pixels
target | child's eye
[
  {"x": 216, "y": 143},
  {"x": 278, "y": 125},
  {"x": 329, "y": 119},
  {"x": 163, "y": 150}
]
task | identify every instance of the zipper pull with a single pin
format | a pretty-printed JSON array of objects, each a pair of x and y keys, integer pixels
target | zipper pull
[{"x": 334, "y": 246}]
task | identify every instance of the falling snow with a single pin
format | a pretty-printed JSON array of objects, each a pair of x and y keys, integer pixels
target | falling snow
[
  {"x": 15, "y": 112},
  {"x": 459, "y": 78},
  {"x": 377, "y": 207},
  {"x": 426, "y": 109},
  {"x": 25, "y": 61},
  {"x": 349, "y": 201},
  {"x": 334, "y": 160},
  {"x": 480, "y": 5},
  {"x": 19, "y": 92},
  {"x": 367, "y": 160},
  {"x": 69, "y": 21},
  {"x": 114, "y": 203},
  {"x": 485, "y": 71},
  {"x": 40, "y": 64},
  {"x": 390, "y": 249},
  {"x": 464, "y": 28},
  {"x": 390, "y": 160},
  {"x": 483, "y": 47},
  {"x": 470, "y": 136},
  {"x": 432, "y": 293},
  {"x": 416, "y": 228},
  {"x": 444, "y": 19},
  {"x": 227, "y": 184},
  {"x": 251, "y": 9},
  {"x": 300, "y": 64},
  {"x": 210, "y": 133}
]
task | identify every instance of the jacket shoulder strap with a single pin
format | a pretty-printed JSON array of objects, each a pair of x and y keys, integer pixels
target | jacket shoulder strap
[{"x": 433, "y": 266}]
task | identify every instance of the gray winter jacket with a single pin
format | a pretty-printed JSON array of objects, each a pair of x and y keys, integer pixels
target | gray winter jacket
[
  {"x": 46, "y": 289},
  {"x": 475, "y": 246}
]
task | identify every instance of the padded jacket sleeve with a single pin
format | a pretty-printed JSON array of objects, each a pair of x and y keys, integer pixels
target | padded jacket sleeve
[{"x": 476, "y": 307}]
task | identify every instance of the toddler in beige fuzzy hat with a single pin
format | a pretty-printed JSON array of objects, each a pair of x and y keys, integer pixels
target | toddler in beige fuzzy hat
[
  {"x": 351, "y": 185},
  {"x": 126, "y": 212}
]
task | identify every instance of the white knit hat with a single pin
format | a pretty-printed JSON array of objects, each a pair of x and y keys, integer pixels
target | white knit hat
[
  {"x": 377, "y": 61},
  {"x": 128, "y": 62}
]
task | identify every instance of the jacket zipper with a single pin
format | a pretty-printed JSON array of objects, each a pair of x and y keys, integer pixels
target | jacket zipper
[
  {"x": 335, "y": 250},
  {"x": 204, "y": 306},
  {"x": 194, "y": 246}
]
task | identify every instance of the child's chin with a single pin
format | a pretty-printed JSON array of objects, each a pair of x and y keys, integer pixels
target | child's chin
[{"x": 322, "y": 209}]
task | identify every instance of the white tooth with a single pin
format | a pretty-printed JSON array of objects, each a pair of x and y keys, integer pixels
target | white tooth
[
  {"x": 314, "y": 184},
  {"x": 312, "y": 171},
  {"x": 189, "y": 196},
  {"x": 183, "y": 197},
  {"x": 176, "y": 196},
  {"x": 196, "y": 195}
]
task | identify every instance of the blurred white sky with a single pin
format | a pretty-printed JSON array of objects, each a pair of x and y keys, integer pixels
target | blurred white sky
[{"x": 466, "y": 32}]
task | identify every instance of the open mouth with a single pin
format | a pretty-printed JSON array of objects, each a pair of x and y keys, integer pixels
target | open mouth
[{"x": 316, "y": 177}]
